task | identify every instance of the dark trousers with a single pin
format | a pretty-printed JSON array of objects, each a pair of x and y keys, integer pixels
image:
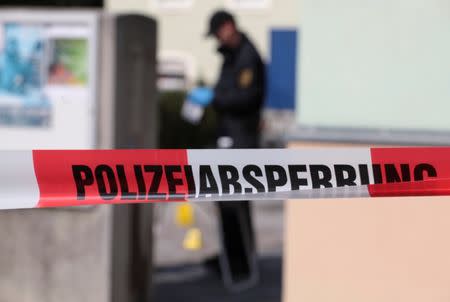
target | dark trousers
[
  {"x": 238, "y": 260},
  {"x": 238, "y": 256}
]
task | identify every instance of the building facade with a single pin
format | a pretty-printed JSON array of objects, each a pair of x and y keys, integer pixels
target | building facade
[{"x": 183, "y": 24}]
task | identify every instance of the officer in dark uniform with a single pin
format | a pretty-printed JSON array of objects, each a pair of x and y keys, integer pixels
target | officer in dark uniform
[
  {"x": 239, "y": 92},
  {"x": 237, "y": 98}
]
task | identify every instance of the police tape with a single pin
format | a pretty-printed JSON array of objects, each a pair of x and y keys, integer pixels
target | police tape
[{"x": 59, "y": 178}]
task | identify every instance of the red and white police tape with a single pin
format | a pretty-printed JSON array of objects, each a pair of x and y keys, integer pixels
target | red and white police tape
[{"x": 52, "y": 178}]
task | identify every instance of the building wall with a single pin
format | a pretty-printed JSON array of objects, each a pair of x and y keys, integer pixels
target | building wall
[{"x": 184, "y": 29}]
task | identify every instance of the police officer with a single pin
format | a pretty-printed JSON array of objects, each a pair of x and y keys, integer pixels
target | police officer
[
  {"x": 239, "y": 92},
  {"x": 237, "y": 98}
]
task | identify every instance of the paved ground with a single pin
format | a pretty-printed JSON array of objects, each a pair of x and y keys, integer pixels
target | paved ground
[
  {"x": 194, "y": 282},
  {"x": 268, "y": 221},
  {"x": 180, "y": 273}
]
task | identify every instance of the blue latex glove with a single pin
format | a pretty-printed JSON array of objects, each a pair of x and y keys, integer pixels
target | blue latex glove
[{"x": 201, "y": 96}]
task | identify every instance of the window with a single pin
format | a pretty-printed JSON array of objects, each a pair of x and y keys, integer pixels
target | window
[
  {"x": 173, "y": 4},
  {"x": 176, "y": 71},
  {"x": 249, "y": 4}
]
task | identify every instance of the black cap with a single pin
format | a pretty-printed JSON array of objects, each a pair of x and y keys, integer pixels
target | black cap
[{"x": 217, "y": 19}]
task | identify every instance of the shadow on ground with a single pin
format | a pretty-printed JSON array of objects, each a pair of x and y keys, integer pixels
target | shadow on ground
[{"x": 195, "y": 282}]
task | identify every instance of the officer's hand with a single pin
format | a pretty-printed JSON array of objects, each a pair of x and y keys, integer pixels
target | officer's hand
[{"x": 201, "y": 96}]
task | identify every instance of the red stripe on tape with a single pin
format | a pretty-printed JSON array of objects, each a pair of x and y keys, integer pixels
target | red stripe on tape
[
  {"x": 410, "y": 166},
  {"x": 71, "y": 178}
]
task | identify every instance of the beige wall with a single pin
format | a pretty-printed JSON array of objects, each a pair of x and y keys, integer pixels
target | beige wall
[
  {"x": 184, "y": 29},
  {"x": 371, "y": 250}
]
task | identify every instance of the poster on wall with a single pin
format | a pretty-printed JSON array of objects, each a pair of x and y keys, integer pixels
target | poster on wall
[
  {"x": 68, "y": 62},
  {"x": 48, "y": 76},
  {"x": 22, "y": 99}
]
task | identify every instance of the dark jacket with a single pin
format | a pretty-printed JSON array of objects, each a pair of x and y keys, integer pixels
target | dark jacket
[{"x": 239, "y": 94}]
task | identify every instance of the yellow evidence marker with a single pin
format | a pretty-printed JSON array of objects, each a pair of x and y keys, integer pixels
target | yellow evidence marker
[
  {"x": 184, "y": 215},
  {"x": 193, "y": 240}
]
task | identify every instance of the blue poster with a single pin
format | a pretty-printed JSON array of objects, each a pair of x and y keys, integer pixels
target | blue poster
[{"x": 22, "y": 98}]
